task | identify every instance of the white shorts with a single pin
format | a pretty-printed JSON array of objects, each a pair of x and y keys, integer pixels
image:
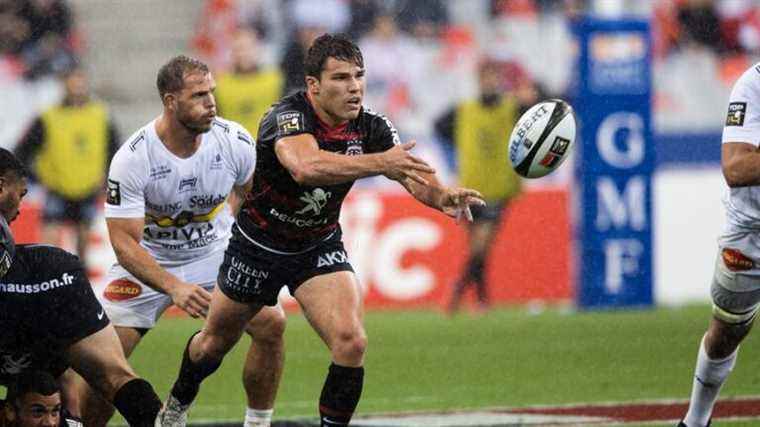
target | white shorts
[
  {"x": 735, "y": 288},
  {"x": 130, "y": 303}
]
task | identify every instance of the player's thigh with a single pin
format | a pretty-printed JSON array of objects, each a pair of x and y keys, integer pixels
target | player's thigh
[
  {"x": 129, "y": 338},
  {"x": 129, "y": 303},
  {"x": 100, "y": 360},
  {"x": 332, "y": 303}
]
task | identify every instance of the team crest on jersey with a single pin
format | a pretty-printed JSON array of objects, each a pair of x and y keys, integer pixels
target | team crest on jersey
[
  {"x": 736, "y": 113},
  {"x": 217, "y": 162},
  {"x": 289, "y": 121},
  {"x": 354, "y": 148},
  {"x": 315, "y": 201},
  {"x": 113, "y": 197}
]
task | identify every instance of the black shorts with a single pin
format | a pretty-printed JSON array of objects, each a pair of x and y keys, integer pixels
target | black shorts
[
  {"x": 38, "y": 327},
  {"x": 253, "y": 274},
  {"x": 59, "y": 209}
]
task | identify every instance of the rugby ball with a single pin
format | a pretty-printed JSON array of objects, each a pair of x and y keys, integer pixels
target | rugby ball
[{"x": 542, "y": 138}]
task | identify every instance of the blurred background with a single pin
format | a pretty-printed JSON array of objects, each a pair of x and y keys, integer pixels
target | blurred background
[{"x": 623, "y": 239}]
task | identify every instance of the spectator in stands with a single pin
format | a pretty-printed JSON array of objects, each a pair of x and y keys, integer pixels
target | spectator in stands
[
  {"x": 48, "y": 47},
  {"x": 423, "y": 19},
  {"x": 246, "y": 92},
  {"x": 34, "y": 400},
  {"x": 292, "y": 61},
  {"x": 68, "y": 148},
  {"x": 700, "y": 24},
  {"x": 13, "y": 29},
  {"x": 363, "y": 15},
  {"x": 476, "y": 129}
]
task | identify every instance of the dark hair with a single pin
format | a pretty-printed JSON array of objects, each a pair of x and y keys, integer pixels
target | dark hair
[
  {"x": 171, "y": 76},
  {"x": 337, "y": 46},
  {"x": 9, "y": 163},
  {"x": 40, "y": 382}
]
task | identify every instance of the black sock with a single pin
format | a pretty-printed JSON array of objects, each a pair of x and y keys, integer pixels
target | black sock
[
  {"x": 340, "y": 394},
  {"x": 191, "y": 374},
  {"x": 475, "y": 267},
  {"x": 138, "y": 403}
]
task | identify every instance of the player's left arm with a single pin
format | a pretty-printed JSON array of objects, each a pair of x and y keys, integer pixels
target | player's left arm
[{"x": 453, "y": 201}]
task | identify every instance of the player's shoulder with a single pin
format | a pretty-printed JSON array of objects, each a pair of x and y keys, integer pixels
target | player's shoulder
[
  {"x": 231, "y": 132},
  {"x": 290, "y": 105},
  {"x": 134, "y": 147},
  {"x": 749, "y": 80},
  {"x": 378, "y": 124},
  {"x": 50, "y": 257}
]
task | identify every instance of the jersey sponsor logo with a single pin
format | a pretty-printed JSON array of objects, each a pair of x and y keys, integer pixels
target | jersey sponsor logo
[
  {"x": 290, "y": 121},
  {"x": 159, "y": 172},
  {"x": 394, "y": 132},
  {"x": 241, "y": 275},
  {"x": 735, "y": 260},
  {"x": 186, "y": 217},
  {"x": 298, "y": 222},
  {"x": 180, "y": 233},
  {"x": 113, "y": 195},
  {"x": 187, "y": 184},
  {"x": 122, "y": 290},
  {"x": 315, "y": 201},
  {"x": 736, "y": 113},
  {"x": 217, "y": 162},
  {"x": 163, "y": 208},
  {"x": 66, "y": 279},
  {"x": 15, "y": 363},
  {"x": 332, "y": 258}
]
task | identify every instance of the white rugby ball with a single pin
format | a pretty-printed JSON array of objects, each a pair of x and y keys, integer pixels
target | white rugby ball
[{"x": 542, "y": 138}]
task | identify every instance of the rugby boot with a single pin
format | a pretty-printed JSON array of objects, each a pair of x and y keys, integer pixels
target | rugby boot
[{"x": 173, "y": 414}]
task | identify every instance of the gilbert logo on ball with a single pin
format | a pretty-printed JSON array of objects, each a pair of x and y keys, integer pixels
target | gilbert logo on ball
[{"x": 541, "y": 138}]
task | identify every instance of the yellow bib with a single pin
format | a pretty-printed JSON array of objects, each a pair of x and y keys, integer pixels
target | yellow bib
[
  {"x": 72, "y": 160},
  {"x": 245, "y": 98},
  {"x": 481, "y": 134}
]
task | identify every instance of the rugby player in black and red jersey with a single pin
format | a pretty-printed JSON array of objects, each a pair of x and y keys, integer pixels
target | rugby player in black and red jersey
[
  {"x": 311, "y": 148},
  {"x": 51, "y": 319}
]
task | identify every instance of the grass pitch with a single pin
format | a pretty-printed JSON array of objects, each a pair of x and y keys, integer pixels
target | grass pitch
[{"x": 424, "y": 361}]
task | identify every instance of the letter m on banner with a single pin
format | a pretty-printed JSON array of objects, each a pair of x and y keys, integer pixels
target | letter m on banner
[{"x": 614, "y": 169}]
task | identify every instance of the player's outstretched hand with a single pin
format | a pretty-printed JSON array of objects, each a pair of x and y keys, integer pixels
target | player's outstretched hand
[
  {"x": 192, "y": 299},
  {"x": 456, "y": 202},
  {"x": 401, "y": 164}
]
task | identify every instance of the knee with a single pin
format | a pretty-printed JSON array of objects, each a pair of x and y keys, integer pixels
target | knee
[
  {"x": 350, "y": 345},
  {"x": 269, "y": 329},
  {"x": 213, "y": 347}
]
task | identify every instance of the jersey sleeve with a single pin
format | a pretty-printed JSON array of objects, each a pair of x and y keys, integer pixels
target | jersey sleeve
[
  {"x": 125, "y": 197},
  {"x": 743, "y": 116},
  {"x": 292, "y": 118},
  {"x": 382, "y": 134},
  {"x": 244, "y": 156}
]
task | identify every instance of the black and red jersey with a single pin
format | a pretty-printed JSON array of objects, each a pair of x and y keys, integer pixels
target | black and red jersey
[{"x": 283, "y": 215}]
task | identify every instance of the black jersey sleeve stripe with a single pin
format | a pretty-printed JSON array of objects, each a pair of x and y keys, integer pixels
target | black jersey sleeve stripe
[
  {"x": 224, "y": 126},
  {"x": 134, "y": 142}
]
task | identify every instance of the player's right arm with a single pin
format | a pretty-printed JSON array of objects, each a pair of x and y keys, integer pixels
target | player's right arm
[
  {"x": 740, "y": 155},
  {"x": 125, "y": 235},
  {"x": 309, "y": 165},
  {"x": 125, "y": 219}
]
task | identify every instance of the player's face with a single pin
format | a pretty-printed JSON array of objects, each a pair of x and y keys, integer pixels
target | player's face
[
  {"x": 195, "y": 106},
  {"x": 36, "y": 410},
  {"x": 340, "y": 90},
  {"x": 12, "y": 191}
]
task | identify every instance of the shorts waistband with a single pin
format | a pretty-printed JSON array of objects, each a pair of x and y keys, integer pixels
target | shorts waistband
[{"x": 279, "y": 252}]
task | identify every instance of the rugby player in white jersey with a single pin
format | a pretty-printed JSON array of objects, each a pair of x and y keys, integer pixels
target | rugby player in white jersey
[
  {"x": 735, "y": 288},
  {"x": 169, "y": 223}
]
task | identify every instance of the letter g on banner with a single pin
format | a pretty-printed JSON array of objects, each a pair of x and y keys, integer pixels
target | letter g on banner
[{"x": 631, "y": 153}]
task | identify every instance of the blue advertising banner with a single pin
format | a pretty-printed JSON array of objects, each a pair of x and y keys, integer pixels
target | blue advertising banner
[{"x": 614, "y": 164}]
